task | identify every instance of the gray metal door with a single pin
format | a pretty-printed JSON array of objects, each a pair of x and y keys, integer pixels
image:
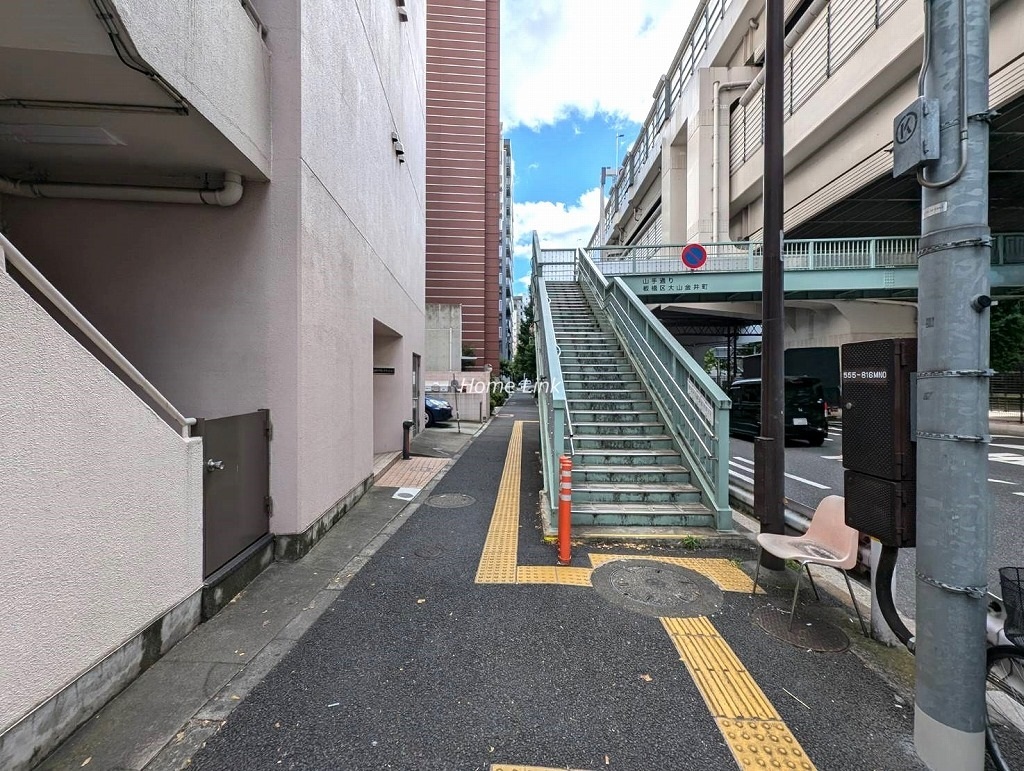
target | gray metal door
[{"x": 236, "y": 485}]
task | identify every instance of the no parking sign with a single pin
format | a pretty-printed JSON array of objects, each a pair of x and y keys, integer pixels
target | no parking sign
[{"x": 694, "y": 256}]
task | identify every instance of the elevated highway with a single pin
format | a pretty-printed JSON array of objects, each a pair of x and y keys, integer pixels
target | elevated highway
[{"x": 694, "y": 173}]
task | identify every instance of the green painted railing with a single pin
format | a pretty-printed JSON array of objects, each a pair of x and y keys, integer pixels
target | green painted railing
[
  {"x": 695, "y": 409},
  {"x": 556, "y": 432},
  {"x": 798, "y": 254}
]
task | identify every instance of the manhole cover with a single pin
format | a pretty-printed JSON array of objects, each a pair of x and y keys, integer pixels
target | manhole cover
[
  {"x": 429, "y": 552},
  {"x": 450, "y": 500},
  {"x": 808, "y": 633},
  {"x": 656, "y": 588}
]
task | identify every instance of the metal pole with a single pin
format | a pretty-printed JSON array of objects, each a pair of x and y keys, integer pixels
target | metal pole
[
  {"x": 564, "y": 510},
  {"x": 770, "y": 462},
  {"x": 952, "y": 395}
]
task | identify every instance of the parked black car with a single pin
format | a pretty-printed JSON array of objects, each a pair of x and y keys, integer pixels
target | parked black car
[
  {"x": 805, "y": 409},
  {"x": 438, "y": 411}
]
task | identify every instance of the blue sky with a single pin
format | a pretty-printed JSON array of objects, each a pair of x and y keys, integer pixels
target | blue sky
[{"x": 574, "y": 74}]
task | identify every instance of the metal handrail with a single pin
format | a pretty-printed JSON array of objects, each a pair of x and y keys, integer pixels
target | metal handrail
[
  {"x": 707, "y": 448},
  {"x": 10, "y": 253},
  {"x": 550, "y": 398},
  {"x": 799, "y": 255}
]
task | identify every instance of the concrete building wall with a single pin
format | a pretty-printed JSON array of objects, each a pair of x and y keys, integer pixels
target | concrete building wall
[
  {"x": 361, "y": 253},
  {"x": 103, "y": 508},
  {"x": 211, "y": 52},
  {"x": 284, "y": 301},
  {"x": 444, "y": 338},
  {"x": 831, "y": 324}
]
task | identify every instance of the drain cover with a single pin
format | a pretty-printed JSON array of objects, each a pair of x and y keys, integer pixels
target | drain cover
[
  {"x": 450, "y": 500},
  {"x": 807, "y": 633},
  {"x": 656, "y": 588},
  {"x": 429, "y": 552}
]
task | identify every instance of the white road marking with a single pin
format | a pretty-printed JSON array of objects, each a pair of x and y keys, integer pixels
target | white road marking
[
  {"x": 1002, "y": 482},
  {"x": 832, "y": 457},
  {"x": 808, "y": 482},
  {"x": 749, "y": 467},
  {"x": 1008, "y": 446},
  {"x": 1020, "y": 494},
  {"x": 744, "y": 477},
  {"x": 1007, "y": 457}
]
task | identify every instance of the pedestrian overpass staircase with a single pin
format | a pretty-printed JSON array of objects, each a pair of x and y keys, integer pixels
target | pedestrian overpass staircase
[{"x": 645, "y": 427}]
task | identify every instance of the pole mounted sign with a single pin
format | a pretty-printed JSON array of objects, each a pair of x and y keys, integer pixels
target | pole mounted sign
[{"x": 694, "y": 256}]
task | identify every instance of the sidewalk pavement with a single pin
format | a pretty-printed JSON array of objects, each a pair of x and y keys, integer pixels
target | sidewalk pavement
[{"x": 438, "y": 634}]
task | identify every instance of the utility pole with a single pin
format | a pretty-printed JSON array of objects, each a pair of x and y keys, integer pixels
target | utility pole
[
  {"x": 952, "y": 393},
  {"x": 769, "y": 447}
]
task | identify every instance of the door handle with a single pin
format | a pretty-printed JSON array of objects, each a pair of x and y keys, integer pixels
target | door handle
[{"x": 214, "y": 465}]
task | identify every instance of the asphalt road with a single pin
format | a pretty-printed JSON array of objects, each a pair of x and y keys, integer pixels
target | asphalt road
[{"x": 815, "y": 472}]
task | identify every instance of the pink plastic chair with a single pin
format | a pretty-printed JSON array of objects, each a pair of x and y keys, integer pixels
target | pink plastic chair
[{"x": 828, "y": 541}]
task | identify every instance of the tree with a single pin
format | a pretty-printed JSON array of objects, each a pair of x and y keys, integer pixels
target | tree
[
  {"x": 525, "y": 362},
  {"x": 710, "y": 361},
  {"x": 1006, "y": 331}
]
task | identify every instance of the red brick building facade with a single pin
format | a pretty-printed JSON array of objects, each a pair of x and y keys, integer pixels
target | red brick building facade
[{"x": 463, "y": 171}]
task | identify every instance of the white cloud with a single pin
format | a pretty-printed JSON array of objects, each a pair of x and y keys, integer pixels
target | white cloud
[
  {"x": 586, "y": 55},
  {"x": 558, "y": 226}
]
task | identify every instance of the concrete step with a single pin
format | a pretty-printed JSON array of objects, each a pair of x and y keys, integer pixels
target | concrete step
[
  {"x": 604, "y": 349},
  {"x": 624, "y": 492},
  {"x": 637, "y": 475},
  {"x": 624, "y": 428},
  {"x": 643, "y": 514},
  {"x": 613, "y": 457},
  {"x": 587, "y": 372},
  {"x": 604, "y": 417},
  {"x": 628, "y": 382},
  {"x": 614, "y": 442},
  {"x": 612, "y": 394},
  {"x": 571, "y": 365},
  {"x": 580, "y": 404}
]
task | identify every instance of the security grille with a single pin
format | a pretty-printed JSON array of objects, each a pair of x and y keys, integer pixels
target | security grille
[
  {"x": 875, "y": 379},
  {"x": 881, "y": 508}
]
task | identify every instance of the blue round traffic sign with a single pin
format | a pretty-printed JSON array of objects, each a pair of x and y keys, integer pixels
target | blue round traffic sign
[{"x": 694, "y": 256}]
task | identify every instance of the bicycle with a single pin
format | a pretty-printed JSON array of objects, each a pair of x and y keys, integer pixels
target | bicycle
[{"x": 1004, "y": 687}]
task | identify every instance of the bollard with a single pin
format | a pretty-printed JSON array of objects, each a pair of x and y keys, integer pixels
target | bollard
[
  {"x": 407, "y": 439},
  {"x": 564, "y": 510}
]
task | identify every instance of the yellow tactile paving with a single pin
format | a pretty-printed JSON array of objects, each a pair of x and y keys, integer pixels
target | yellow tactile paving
[
  {"x": 553, "y": 574},
  {"x": 749, "y": 723},
  {"x": 415, "y": 472},
  {"x": 498, "y": 560},
  {"x": 536, "y": 574},
  {"x": 764, "y": 744},
  {"x": 723, "y": 572},
  {"x": 574, "y": 576}
]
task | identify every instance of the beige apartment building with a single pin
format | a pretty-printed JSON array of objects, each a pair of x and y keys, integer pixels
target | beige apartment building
[{"x": 229, "y": 197}]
